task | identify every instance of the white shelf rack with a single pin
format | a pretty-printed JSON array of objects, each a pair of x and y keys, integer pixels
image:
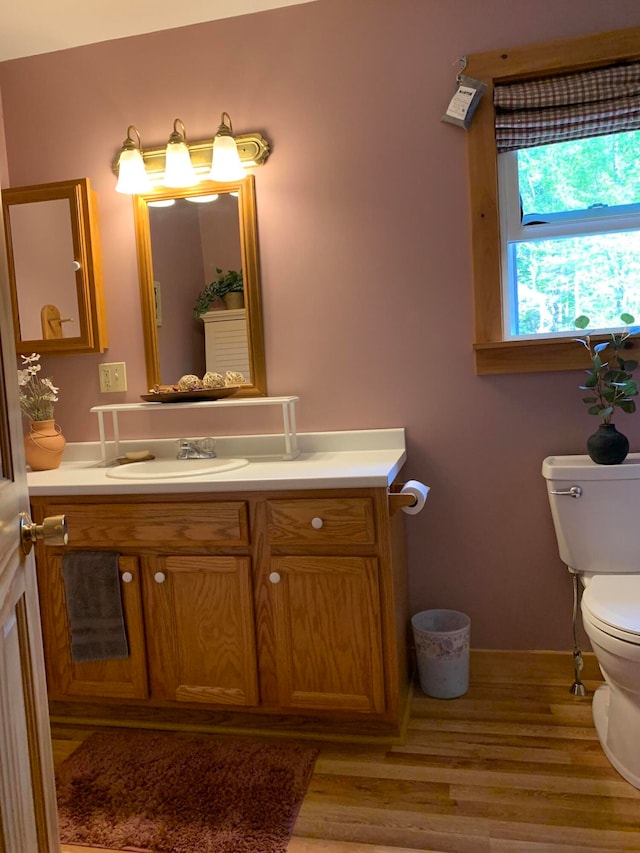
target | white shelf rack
[{"x": 288, "y": 405}]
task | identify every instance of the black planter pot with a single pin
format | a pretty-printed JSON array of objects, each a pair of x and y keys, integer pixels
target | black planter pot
[{"x": 607, "y": 446}]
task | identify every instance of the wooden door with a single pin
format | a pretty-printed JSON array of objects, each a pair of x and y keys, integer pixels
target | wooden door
[
  {"x": 328, "y": 633},
  {"x": 200, "y": 629},
  {"x": 123, "y": 679},
  {"x": 28, "y": 815}
]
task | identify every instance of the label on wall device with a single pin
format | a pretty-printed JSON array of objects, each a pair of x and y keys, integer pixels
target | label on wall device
[{"x": 464, "y": 101}]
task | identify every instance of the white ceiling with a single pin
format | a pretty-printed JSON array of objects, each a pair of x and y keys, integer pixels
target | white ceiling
[{"x": 29, "y": 27}]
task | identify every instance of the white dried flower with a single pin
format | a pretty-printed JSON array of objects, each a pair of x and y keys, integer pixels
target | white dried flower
[{"x": 37, "y": 394}]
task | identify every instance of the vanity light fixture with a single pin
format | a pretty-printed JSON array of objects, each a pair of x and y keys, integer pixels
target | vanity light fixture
[
  {"x": 132, "y": 175},
  {"x": 178, "y": 171},
  {"x": 203, "y": 199},
  {"x": 165, "y": 202},
  {"x": 251, "y": 149},
  {"x": 225, "y": 160}
]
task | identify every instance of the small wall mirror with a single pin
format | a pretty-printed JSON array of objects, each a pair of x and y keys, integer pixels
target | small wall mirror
[
  {"x": 185, "y": 237},
  {"x": 54, "y": 268}
]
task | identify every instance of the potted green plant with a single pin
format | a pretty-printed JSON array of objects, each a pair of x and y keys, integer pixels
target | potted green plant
[
  {"x": 609, "y": 385},
  {"x": 216, "y": 294}
]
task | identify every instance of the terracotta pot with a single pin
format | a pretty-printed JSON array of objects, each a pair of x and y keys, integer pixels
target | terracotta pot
[
  {"x": 234, "y": 299},
  {"x": 43, "y": 446}
]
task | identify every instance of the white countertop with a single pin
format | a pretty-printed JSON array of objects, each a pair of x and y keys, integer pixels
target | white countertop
[{"x": 350, "y": 459}]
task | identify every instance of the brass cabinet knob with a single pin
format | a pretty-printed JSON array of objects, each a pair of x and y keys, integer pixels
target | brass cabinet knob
[{"x": 52, "y": 531}]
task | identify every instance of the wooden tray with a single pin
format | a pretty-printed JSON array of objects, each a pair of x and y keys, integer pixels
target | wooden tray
[{"x": 190, "y": 396}]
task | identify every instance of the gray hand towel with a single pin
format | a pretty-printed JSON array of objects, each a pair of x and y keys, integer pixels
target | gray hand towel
[{"x": 94, "y": 605}]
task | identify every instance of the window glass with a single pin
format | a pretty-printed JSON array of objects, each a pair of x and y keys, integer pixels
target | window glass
[
  {"x": 579, "y": 175},
  {"x": 556, "y": 280},
  {"x": 571, "y": 234}
]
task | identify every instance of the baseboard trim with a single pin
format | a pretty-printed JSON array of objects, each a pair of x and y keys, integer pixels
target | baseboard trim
[{"x": 500, "y": 666}]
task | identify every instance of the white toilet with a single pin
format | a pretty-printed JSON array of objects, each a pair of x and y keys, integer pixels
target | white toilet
[{"x": 596, "y": 514}]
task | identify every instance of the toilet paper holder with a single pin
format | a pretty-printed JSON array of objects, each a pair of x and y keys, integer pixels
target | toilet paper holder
[{"x": 406, "y": 501}]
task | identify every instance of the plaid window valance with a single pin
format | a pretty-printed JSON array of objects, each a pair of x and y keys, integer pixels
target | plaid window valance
[{"x": 570, "y": 106}]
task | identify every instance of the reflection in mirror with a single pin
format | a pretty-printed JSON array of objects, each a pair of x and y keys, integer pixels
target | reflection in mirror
[
  {"x": 46, "y": 280},
  {"x": 183, "y": 243},
  {"x": 189, "y": 242},
  {"x": 54, "y": 272}
]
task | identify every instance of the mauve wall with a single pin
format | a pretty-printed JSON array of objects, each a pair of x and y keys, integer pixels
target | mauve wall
[{"x": 366, "y": 270}]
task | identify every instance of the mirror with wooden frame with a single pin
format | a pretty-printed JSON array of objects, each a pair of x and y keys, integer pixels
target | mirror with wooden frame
[
  {"x": 185, "y": 238},
  {"x": 55, "y": 275}
]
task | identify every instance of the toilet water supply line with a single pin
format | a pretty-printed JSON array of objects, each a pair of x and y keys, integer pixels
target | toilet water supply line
[{"x": 577, "y": 688}]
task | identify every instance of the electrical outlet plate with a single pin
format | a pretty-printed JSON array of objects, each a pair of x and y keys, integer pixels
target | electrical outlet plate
[{"x": 113, "y": 377}]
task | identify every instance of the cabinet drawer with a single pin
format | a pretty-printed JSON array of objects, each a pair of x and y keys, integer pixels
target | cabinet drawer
[
  {"x": 155, "y": 525},
  {"x": 347, "y": 521}
]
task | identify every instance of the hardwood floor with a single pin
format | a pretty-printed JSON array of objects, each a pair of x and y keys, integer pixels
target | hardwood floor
[{"x": 514, "y": 766}]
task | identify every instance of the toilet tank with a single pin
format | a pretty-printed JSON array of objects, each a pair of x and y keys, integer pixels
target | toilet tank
[{"x": 599, "y": 531}]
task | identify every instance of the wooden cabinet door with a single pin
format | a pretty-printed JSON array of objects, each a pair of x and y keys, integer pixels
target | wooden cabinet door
[
  {"x": 327, "y": 633},
  {"x": 123, "y": 679},
  {"x": 200, "y": 629}
]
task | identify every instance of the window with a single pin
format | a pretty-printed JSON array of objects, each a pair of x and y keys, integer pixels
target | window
[
  {"x": 570, "y": 228},
  {"x": 551, "y": 218}
]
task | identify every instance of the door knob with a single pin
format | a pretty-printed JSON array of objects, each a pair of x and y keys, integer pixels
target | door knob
[{"x": 52, "y": 531}]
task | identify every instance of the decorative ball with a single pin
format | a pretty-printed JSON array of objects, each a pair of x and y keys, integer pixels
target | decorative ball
[
  {"x": 213, "y": 380},
  {"x": 189, "y": 382},
  {"x": 232, "y": 377}
]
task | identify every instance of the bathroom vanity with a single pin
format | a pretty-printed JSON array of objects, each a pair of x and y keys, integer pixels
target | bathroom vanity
[{"x": 275, "y": 591}]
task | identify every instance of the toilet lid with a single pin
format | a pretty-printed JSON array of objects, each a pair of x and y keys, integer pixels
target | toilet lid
[{"x": 615, "y": 601}]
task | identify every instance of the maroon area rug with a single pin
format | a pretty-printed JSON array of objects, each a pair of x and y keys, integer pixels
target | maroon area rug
[{"x": 171, "y": 792}]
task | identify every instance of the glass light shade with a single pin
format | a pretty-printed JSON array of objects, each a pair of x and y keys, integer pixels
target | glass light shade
[
  {"x": 226, "y": 164},
  {"x": 178, "y": 170},
  {"x": 132, "y": 175},
  {"x": 203, "y": 199}
]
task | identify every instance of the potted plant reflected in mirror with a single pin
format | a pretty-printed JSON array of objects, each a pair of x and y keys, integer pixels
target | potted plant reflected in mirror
[
  {"x": 609, "y": 386},
  {"x": 226, "y": 292}
]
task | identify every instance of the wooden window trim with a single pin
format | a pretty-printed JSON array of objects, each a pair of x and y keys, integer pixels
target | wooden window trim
[{"x": 492, "y": 353}]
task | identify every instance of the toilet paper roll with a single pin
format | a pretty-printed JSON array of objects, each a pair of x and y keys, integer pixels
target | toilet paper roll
[{"x": 419, "y": 491}]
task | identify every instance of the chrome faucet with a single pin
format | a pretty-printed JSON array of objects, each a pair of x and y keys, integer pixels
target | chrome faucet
[{"x": 196, "y": 448}]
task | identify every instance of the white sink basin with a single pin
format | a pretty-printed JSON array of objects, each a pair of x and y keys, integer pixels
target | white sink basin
[{"x": 161, "y": 469}]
